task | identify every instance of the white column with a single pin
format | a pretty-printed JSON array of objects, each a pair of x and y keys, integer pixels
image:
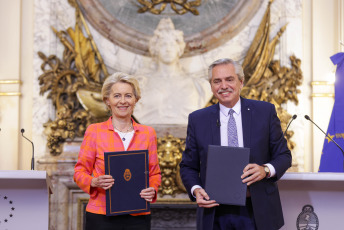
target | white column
[
  {"x": 16, "y": 83},
  {"x": 9, "y": 70},
  {"x": 26, "y": 76}
]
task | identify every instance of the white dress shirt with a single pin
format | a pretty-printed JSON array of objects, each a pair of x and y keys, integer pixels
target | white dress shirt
[{"x": 224, "y": 117}]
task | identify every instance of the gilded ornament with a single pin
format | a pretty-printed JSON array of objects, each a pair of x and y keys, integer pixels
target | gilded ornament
[
  {"x": 70, "y": 81},
  {"x": 79, "y": 68},
  {"x": 178, "y": 6},
  {"x": 170, "y": 151}
]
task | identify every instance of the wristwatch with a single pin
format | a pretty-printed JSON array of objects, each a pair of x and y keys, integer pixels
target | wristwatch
[{"x": 267, "y": 170}]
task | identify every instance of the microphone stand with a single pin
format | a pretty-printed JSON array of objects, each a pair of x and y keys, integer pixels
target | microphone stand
[
  {"x": 33, "y": 150},
  {"x": 293, "y": 118},
  {"x": 308, "y": 118}
]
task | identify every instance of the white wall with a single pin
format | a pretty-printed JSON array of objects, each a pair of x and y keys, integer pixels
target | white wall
[
  {"x": 16, "y": 43},
  {"x": 26, "y": 73},
  {"x": 9, "y": 70}
]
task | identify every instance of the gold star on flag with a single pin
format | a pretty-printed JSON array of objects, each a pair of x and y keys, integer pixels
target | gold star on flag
[{"x": 329, "y": 137}]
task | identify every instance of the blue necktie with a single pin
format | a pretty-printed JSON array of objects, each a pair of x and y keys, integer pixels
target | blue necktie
[{"x": 232, "y": 130}]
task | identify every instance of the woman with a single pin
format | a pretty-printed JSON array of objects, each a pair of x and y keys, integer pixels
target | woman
[{"x": 120, "y": 93}]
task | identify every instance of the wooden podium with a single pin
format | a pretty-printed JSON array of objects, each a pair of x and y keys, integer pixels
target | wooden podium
[
  {"x": 311, "y": 200},
  {"x": 24, "y": 200}
]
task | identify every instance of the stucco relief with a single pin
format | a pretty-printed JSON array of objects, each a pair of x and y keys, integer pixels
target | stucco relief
[
  {"x": 169, "y": 95},
  {"x": 116, "y": 58},
  {"x": 219, "y": 21}
]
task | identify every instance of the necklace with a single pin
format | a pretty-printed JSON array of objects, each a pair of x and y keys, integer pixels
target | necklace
[{"x": 126, "y": 132}]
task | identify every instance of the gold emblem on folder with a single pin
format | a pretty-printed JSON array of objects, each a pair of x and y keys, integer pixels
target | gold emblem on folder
[{"x": 127, "y": 175}]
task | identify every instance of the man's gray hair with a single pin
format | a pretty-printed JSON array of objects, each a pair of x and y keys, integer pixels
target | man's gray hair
[{"x": 237, "y": 67}]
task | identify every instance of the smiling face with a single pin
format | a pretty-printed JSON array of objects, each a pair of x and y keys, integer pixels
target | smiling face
[
  {"x": 121, "y": 100},
  {"x": 226, "y": 85}
]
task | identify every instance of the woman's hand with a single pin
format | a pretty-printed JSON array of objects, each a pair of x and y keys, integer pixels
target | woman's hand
[
  {"x": 105, "y": 182},
  {"x": 148, "y": 194}
]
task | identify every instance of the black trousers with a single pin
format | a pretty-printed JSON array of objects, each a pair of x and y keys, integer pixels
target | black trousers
[
  {"x": 231, "y": 217},
  {"x": 121, "y": 222}
]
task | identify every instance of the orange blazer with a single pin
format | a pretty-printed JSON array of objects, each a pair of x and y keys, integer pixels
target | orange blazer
[{"x": 100, "y": 138}]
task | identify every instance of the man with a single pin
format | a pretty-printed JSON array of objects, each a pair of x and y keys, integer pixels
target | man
[{"x": 252, "y": 124}]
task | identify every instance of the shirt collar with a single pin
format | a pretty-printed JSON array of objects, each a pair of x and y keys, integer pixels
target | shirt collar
[{"x": 237, "y": 108}]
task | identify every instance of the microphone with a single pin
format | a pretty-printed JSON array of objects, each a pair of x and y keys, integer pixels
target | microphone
[
  {"x": 33, "y": 150},
  {"x": 218, "y": 123},
  {"x": 308, "y": 118},
  {"x": 293, "y": 118}
]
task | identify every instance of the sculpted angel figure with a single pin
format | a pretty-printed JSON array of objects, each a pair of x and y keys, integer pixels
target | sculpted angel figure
[{"x": 169, "y": 93}]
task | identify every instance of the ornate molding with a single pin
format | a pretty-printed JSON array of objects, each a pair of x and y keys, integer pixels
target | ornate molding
[
  {"x": 322, "y": 89},
  {"x": 322, "y": 83},
  {"x": 199, "y": 41},
  {"x": 10, "y": 82},
  {"x": 10, "y": 94},
  {"x": 81, "y": 67},
  {"x": 170, "y": 150},
  {"x": 184, "y": 6},
  {"x": 323, "y": 95}
]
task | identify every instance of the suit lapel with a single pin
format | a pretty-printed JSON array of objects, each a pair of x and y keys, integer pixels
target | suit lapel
[
  {"x": 246, "y": 121},
  {"x": 215, "y": 124}
]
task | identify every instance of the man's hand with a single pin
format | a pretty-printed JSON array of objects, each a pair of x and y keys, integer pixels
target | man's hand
[
  {"x": 253, "y": 173},
  {"x": 202, "y": 199},
  {"x": 105, "y": 182}
]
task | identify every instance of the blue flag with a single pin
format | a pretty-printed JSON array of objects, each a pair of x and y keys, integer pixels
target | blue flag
[{"x": 332, "y": 159}]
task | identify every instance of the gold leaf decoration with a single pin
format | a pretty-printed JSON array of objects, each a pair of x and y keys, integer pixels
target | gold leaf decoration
[
  {"x": 79, "y": 68},
  {"x": 170, "y": 151},
  {"x": 178, "y": 6}
]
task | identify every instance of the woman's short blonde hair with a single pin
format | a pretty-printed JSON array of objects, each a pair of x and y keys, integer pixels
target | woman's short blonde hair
[{"x": 120, "y": 77}]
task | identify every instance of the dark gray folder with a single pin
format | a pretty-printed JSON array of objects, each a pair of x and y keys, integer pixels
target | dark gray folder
[{"x": 225, "y": 166}]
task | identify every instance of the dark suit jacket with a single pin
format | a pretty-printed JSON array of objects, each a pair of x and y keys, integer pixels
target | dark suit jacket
[{"x": 263, "y": 135}]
